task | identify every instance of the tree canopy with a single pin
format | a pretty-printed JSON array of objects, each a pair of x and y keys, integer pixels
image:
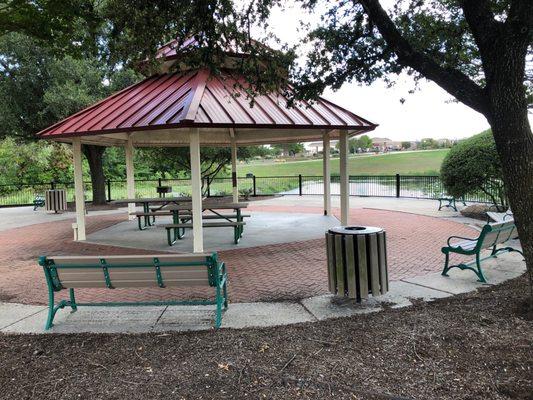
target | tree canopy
[{"x": 473, "y": 166}]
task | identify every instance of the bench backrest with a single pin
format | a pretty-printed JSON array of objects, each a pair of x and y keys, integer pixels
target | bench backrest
[
  {"x": 493, "y": 234},
  {"x": 131, "y": 271}
]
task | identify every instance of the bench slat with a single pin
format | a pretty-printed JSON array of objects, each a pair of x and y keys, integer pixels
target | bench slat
[
  {"x": 133, "y": 284},
  {"x": 205, "y": 225}
]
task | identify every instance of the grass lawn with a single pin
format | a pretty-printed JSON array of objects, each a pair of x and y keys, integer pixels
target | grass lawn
[
  {"x": 407, "y": 163},
  {"x": 472, "y": 346}
]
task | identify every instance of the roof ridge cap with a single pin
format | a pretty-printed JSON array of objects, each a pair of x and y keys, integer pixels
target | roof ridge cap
[{"x": 191, "y": 109}]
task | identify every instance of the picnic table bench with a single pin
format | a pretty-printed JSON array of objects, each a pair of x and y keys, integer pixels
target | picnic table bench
[
  {"x": 145, "y": 271},
  {"x": 149, "y": 211},
  {"x": 490, "y": 237},
  {"x": 182, "y": 219}
]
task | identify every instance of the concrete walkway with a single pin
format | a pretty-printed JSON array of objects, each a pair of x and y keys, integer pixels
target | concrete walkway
[{"x": 19, "y": 318}]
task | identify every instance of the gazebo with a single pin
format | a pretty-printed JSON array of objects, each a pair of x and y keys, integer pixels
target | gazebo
[{"x": 193, "y": 107}]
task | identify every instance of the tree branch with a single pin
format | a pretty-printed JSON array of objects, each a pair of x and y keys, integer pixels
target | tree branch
[{"x": 453, "y": 81}]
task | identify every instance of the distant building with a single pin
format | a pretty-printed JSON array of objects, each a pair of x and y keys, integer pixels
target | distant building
[
  {"x": 385, "y": 144},
  {"x": 317, "y": 147}
]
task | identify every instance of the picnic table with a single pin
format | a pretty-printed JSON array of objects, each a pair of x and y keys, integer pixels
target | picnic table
[
  {"x": 182, "y": 218},
  {"x": 149, "y": 210}
]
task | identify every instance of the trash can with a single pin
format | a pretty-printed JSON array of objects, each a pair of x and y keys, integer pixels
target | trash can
[
  {"x": 55, "y": 200},
  {"x": 357, "y": 261}
]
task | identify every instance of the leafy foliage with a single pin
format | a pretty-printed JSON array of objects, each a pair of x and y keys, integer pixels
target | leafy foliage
[{"x": 472, "y": 166}]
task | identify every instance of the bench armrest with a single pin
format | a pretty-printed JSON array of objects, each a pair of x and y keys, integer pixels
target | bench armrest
[{"x": 459, "y": 237}]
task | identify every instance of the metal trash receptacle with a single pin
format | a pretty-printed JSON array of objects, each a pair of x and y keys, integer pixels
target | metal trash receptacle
[{"x": 357, "y": 261}]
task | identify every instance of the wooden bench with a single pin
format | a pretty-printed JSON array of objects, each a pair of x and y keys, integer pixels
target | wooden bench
[
  {"x": 176, "y": 231},
  {"x": 490, "y": 237},
  {"x": 159, "y": 271}
]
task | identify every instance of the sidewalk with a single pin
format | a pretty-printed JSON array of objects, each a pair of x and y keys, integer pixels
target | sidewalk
[{"x": 19, "y": 318}]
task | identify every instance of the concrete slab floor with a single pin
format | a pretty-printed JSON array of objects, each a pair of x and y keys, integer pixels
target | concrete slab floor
[{"x": 262, "y": 228}]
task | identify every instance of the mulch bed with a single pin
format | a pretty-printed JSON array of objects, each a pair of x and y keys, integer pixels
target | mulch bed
[{"x": 474, "y": 346}]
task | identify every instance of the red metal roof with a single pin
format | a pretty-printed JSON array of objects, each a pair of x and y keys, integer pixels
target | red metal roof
[{"x": 199, "y": 99}]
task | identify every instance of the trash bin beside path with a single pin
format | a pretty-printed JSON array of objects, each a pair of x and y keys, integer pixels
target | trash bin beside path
[
  {"x": 55, "y": 200},
  {"x": 357, "y": 261}
]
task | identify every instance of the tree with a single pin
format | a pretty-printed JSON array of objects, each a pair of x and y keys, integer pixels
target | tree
[
  {"x": 176, "y": 161},
  {"x": 359, "y": 142},
  {"x": 428, "y": 143},
  {"x": 473, "y": 166},
  {"x": 40, "y": 89},
  {"x": 288, "y": 149},
  {"x": 406, "y": 145}
]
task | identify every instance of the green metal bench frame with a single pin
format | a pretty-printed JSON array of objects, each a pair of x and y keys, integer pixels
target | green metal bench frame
[
  {"x": 38, "y": 201},
  {"x": 176, "y": 232},
  {"x": 504, "y": 232},
  {"x": 216, "y": 271},
  {"x": 451, "y": 202}
]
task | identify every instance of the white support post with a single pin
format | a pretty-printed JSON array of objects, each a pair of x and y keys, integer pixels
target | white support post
[
  {"x": 326, "y": 174},
  {"x": 344, "y": 184},
  {"x": 79, "y": 195},
  {"x": 196, "y": 192},
  {"x": 130, "y": 176},
  {"x": 234, "y": 183}
]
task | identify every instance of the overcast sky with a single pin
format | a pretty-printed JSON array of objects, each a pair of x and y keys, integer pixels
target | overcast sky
[{"x": 429, "y": 112}]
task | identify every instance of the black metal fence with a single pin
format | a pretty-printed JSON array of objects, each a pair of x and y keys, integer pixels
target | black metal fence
[{"x": 409, "y": 186}]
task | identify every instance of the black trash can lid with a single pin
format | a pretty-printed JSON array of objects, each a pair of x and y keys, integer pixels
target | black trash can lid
[{"x": 355, "y": 230}]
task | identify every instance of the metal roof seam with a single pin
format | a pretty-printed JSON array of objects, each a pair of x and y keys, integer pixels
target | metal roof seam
[
  {"x": 297, "y": 110},
  {"x": 239, "y": 105},
  {"x": 139, "y": 105},
  {"x": 275, "y": 103},
  {"x": 332, "y": 111},
  {"x": 256, "y": 104},
  {"x": 131, "y": 103},
  {"x": 357, "y": 117},
  {"x": 171, "y": 93},
  {"x": 228, "y": 114},
  {"x": 113, "y": 97},
  {"x": 101, "y": 114},
  {"x": 152, "y": 121}
]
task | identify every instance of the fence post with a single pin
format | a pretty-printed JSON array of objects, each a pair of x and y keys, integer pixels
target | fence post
[
  {"x": 108, "y": 190},
  {"x": 254, "y": 186},
  {"x": 208, "y": 187},
  {"x": 52, "y": 185},
  {"x": 397, "y": 185},
  {"x": 300, "y": 184},
  {"x": 159, "y": 182}
]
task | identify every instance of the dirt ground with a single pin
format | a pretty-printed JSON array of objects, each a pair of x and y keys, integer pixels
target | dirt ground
[{"x": 475, "y": 346}]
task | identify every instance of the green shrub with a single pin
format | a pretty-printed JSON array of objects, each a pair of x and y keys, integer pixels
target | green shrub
[{"x": 473, "y": 166}]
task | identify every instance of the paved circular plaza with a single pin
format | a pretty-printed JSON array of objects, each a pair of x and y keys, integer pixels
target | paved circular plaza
[{"x": 291, "y": 270}]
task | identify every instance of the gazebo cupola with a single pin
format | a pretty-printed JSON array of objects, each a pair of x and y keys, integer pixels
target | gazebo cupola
[{"x": 193, "y": 107}]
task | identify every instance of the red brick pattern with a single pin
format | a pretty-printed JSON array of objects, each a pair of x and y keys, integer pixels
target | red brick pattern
[{"x": 273, "y": 272}]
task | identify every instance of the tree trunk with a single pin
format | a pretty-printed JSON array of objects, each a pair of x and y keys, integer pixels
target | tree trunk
[
  {"x": 94, "y": 156},
  {"x": 514, "y": 142}
]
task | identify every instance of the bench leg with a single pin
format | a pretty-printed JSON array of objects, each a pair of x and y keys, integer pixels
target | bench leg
[
  {"x": 218, "y": 317},
  {"x": 446, "y": 265},
  {"x": 73, "y": 304},
  {"x": 479, "y": 272},
  {"x": 141, "y": 227},
  {"x": 452, "y": 204},
  {"x": 171, "y": 241},
  {"x": 52, "y": 309},
  {"x": 225, "y": 292}
]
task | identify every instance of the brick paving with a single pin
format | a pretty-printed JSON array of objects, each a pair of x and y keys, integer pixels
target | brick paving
[{"x": 266, "y": 273}]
